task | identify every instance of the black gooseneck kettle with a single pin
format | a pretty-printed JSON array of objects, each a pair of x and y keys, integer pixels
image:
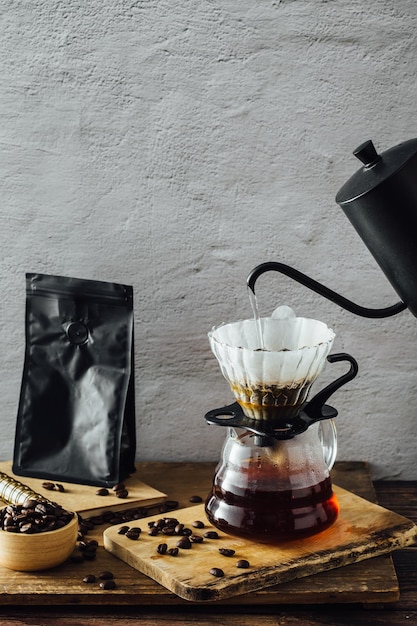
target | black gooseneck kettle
[{"x": 380, "y": 201}]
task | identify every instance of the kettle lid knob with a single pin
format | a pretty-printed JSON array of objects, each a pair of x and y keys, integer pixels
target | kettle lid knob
[
  {"x": 378, "y": 169},
  {"x": 367, "y": 154}
]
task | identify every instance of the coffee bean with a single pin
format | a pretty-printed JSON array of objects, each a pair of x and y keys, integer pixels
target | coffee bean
[
  {"x": 211, "y": 534},
  {"x": 132, "y": 534},
  {"x": 160, "y": 523},
  {"x": 162, "y": 548},
  {"x": 168, "y": 530},
  {"x": 226, "y": 552},
  {"x": 173, "y": 551},
  {"x": 29, "y": 504},
  {"x": 88, "y": 546},
  {"x": 198, "y": 524},
  {"x": 106, "y": 575},
  {"x": 216, "y": 571},
  {"x": 153, "y": 531},
  {"x": 102, "y": 492},
  {"x": 243, "y": 563},
  {"x": 170, "y": 521},
  {"x": 196, "y": 499},
  {"x": 42, "y": 509},
  {"x": 184, "y": 543},
  {"x": 48, "y": 486},
  {"x": 59, "y": 487},
  {"x": 196, "y": 539},
  {"x": 119, "y": 487},
  {"x": 178, "y": 529},
  {"x": 187, "y": 532},
  {"x": 107, "y": 584},
  {"x": 122, "y": 494},
  {"x": 90, "y": 578},
  {"x": 28, "y": 529},
  {"x": 123, "y": 530}
]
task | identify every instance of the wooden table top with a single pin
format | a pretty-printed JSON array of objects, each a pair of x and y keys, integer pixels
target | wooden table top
[{"x": 180, "y": 481}]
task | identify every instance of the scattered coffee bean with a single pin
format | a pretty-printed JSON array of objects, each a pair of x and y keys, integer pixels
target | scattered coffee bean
[
  {"x": 132, "y": 534},
  {"x": 119, "y": 487},
  {"x": 178, "y": 529},
  {"x": 48, "y": 486},
  {"x": 196, "y": 539},
  {"x": 243, "y": 563},
  {"x": 102, "y": 492},
  {"x": 122, "y": 494},
  {"x": 153, "y": 531},
  {"x": 211, "y": 534},
  {"x": 216, "y": 571},
  {"x": 168, "y": 530},
  {"x": 184, "y": 543},
  {"x": 162, "y": 548},
  {"x": 107, "y": 584},
  {"x": 123, "y": 530},
  {"x": 198, "y": 524},
  {"x": 173, "y": 551},
  {"x": 187, "y": 532},
  {"x": 90, "y": 578},
  {"x": 106, "y": 575},
  {"x": 226, "y": 552},
  {"x": 196, "y": 499},
  {"x": 160, "y": 523},
  {"x": 59, "y": 487}
]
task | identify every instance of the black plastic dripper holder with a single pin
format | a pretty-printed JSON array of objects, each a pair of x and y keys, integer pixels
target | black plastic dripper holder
[{"x": 312, "y": 411}]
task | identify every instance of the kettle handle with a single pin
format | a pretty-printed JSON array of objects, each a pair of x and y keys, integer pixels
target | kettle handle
[{"x": 331, "y": 295}]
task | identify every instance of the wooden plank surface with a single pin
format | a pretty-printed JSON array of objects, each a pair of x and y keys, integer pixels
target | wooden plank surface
[{"x": 369, "y": 581}]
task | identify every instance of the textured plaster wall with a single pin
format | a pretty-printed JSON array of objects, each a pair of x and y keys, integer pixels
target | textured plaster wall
[{"x": 174, "y": 145}]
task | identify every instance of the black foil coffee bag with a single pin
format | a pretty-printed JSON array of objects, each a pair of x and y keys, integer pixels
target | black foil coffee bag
[{"x": 76, "y": 415}]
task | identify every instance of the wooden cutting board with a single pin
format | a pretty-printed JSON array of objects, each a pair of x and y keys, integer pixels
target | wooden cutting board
[
  {"x": 363, "y": 530},
  {"x": 83, "y": 498}
]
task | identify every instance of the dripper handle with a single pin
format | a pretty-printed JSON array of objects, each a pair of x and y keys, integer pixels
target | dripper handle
[{"x": 316, "y": 409}]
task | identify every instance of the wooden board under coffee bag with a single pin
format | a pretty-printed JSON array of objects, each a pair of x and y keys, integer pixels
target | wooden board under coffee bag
[
  {"x": 363, "y": 530},
  {"x": 84, "y": 498}
]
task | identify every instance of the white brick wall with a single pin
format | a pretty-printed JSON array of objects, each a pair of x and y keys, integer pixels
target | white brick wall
[{"x": 176, "y": 144}]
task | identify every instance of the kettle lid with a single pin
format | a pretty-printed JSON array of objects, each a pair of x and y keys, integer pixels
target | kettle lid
[{"x": 376, "y": 168}]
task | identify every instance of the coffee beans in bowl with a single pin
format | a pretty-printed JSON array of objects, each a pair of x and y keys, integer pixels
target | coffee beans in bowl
[{"x": 36, "y": 535}]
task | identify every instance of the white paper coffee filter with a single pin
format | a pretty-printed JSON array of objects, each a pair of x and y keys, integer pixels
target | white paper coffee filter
[{"x": 294, "y": 350}]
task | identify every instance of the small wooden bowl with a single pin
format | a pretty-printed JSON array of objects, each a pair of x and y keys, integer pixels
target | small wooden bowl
[{"x": 39, "y": 551}]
